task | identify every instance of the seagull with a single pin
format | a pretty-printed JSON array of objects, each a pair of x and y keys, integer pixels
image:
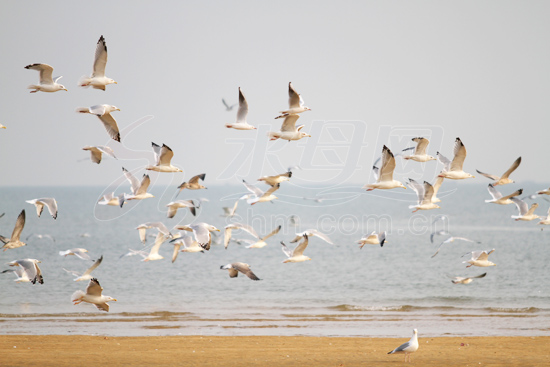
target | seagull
[
  {"x": 228, "y": 107},
  {"x": 498, "y": 198},
  {"x": 384, "y": 176},
  {"x": 139, "y": 189},
  {"x": 141, "y": 253},
  {"x": 231, "y": 227},
  {"x": 163, "y": 156},
  {"x": 409, "y": 347},
  {"x": 545, "y": 220},
  {"x": 464, "y": 280},
  {"x": 97, "y": 151},
  {"x": 20, "y": 273},
  {"x": 98, "y": 79},
  {"x": 81, "y": 253},
  {"x": 14, "y": 241},
  {"x": 440, "y": 217},
  {"x": 419, "y": 154},
  {"x": 30, "y": 267},
  {"x": 312, "y": 233},
  {"x": 47, "y": 83},
  {"x": 440, "y": 233},
  {"x": 479, "y": 258},
  {"x": 41, "y": 236},
  {"x": 295, "y": 103},
  {"x": 453, "y": 170},
  {"x": 235, "y": 268},
  {"x": 111, "y": 199},
  {"x": 504, "y": 179},
  {"x": 103, "y": 112},
  {"x": 296, "y": 255},
  {"x": 373, "y": 239},
  {"x": 193, "y": 183},
  {"x": 50, "y": 203},
  {"x": 294, "y": 221},
  {"x": 201, "y": 231},
  {"x": 425, "y": 196},
  {"x": 154, "y": 252},
  {"x": 544, "y": 192},
  {"x": 289, "y": 131},
  {"x": 93, "y": 295},
  {"x": 240, "y": 123},
  {"x": 175, "y": 205},
  {"x": 525, "y": 213},
  {"x": 142, "y": 230},
  {"x": 452, "y": 239},
  {"x": 261, "y": 242},
  {"x": 274, "y": 180},
  {"x": 188, "y": 244},
  {"x": 259, "y": 195},
  {"x": 86, "y": 275},
  {"x": 230, "y": 212}
]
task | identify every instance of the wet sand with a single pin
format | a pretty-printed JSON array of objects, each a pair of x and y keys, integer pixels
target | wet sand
[{"x": 61, "y": 350}]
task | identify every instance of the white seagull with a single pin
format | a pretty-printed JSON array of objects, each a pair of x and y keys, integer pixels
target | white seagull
[
  {"x": 289, "y": 131},
  {"x": 50, "y": 203},
  {"x": 466, "y": 280},
  {"x": 81, "y": 253},
  {"x": 499, "y": 199},
  {"x": 235, "y": 268},
  {"x": 240, "y": 123},
  {"x": 312, "y": 233},
  {"x": 175, "y": 205},
  {"x": 228, "y": 107},
  {"x": 93, "y": 296},
  {"x": 154, "y": 252},
  {"x": 545, "y": 220},
  {"x": 30, "y": 267},
  {"x": 139, "y": 189},
  {"x": 453, "y": 170},
  {"x": 98, "y": 79},
  {"x": 409, "y": 347},
  {"x": 20, "y": 273},
  {"x": 259, "y": 195},
  {"x": 296, "y": 255},
  {"x": 188, "y": 244},
  {"x": 503, "y": 180},
  {"x": 47, "y": 83},
  {"x": 274, "y": 180},
  {"x": 419, "y": 154},
  {"x": 161, "y": 227},
  {"x": 525, "y": 213},
  {"x": 111, "y": 199},
  {"x": 373, "y": 239},
  {"x": 544, "y": 192},
  {"x": 193, "y": 183},
  {"x": 103, "y": 112},
  {"x": 384, "y": 176},
  {"x": 86, "y": 275},
  {"x": 261, "y": 242},
  {"x": 163, "y": 156},
  {"x": 201, "y": 231},
  {"x": 452, "y": 239},
  {"x": 235, "y": 226},
  {"x": 41, "y": 236},
  {"x": 97, "y": 152},
  {"x": 479, "y": 258},
  {"x": 425, "y": 195},
  {"x": 295, "y": 103},
  {"x": 14, "y": 241}
]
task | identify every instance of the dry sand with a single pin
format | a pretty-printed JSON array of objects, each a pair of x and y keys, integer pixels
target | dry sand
[{"x": 75, "y": 350}]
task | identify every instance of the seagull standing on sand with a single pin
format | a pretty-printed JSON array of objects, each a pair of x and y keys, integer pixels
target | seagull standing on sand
[
  {"x": 289, "y": 131},
  {"x": 425, "y": 195},
  {"x": 464, "y": 280},
  {"x": 296, "y": 255},
  {"x": 163, "y": 156},
  {"x": 419, "y": 154},
  {"x": 479, "y": 258},
  {"x": 384, "y": 176},
  {"x": 14, "y": 241},
  {"x": 525, "y": 213},
  {"x": 103, "y": 112},
  {"x": 503, "y": 180},
  {"x": 453, "y": 170},
  {"x": 498, "y": 198},
  {"x": 50, "y": 203},
  {"x": 93, "y": 296},
  {"x": 139, "y": 189},
  {"x": 87, "y": 274},
  {"x": 47, "y": 83},
  {"x": 235, "y": 268},
  {"x": 409, "y": 347},
  {"x": 240, "y": 123},
  {"x": 373, "y": 239},
  {"x": 295, "y": 103},
  {"x": 34, "y": 274},
  {"x": 97, "y": 151},
  {"x": 98, "y": 79}
]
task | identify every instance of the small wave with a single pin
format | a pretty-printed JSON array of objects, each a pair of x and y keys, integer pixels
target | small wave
[
  {"x": 514, "y": 309},
  {"x": 346, "y": 307}
]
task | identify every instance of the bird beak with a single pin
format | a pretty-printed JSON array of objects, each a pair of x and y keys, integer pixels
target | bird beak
[
  {"x": 65, "y": 89},
  {"x": 118, "y": 109},
  {"x": 116, "y": 83},
  {"x": 114, "y": 299}
]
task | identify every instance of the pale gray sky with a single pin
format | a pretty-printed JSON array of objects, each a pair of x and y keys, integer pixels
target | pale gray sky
[{"x": 373, "y": 73}]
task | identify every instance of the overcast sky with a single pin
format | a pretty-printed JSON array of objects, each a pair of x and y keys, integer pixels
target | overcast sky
[{"x": 373, "y": 73}]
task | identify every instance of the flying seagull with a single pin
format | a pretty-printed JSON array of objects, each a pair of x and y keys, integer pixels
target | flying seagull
[
  {"x": 163, "y": 156},
  {"x": 235, "y": 268},
  {"x": 201, "y": 231},
  {"x": 464, "y": 280},
  {"x": 236, "y": 226},
  {"x": 97, "y": 152},
  {"x": 193, "y": 183},
  {"x": 296, "y": 255},
  {"x": 103, "y": 112},
  {"x": 14, "y": 241},
  {"x": 86, "y": 275},
  {"x": 240, "y": 123},
  {"x": 384, "y": 176},
  {"x": 503, "y": 180},
  {"x": 453, "y": 169},
  {"x": 289, "y": 131},
  {"x": 259, "y": 195},
  {"x": 419, "y": 154},
  {"x": 93, "y": 296},
  {"x": 139, "y": 189},
  {"x": 295, "y": 103},
  {"x": 525, "y": 213},
  {"x": 497, "y": 197},
  {"x": 373, "y": 239},
  {"x": 274, "y": 180},
  {"x": 30, "y": 266},
  {"x": 98, "y": 79},
  {"x": 47, "y": 83},
  {"x": 425, "y": 195},
  {"x": 452, "y": 239},
  {"x": 50, "y": 203},
  {"x": 228, "y": 107},
  {"x": 479, "y": 258}
]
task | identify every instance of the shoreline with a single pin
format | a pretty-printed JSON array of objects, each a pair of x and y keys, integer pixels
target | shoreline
[{"x": 63, "y": 350}]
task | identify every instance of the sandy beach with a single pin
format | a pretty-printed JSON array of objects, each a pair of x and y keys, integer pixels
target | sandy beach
[{"x": 56, "y": 350}]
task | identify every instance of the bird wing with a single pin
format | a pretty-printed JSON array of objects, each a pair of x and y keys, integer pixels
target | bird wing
[
  {"x": 156, "y": 152},
  {"x": 110, "y": 125},
  {"x": 286, "y": 250},
  {"x": 202, "y": 235},
  {"x": 224, "y": 103},
  {"x": 422, "y": 144},
  {"x": 314, "y": 232},
  {"x": 133, "y": 181},
  {"x": 94, "y": 265},
  {"x": 515, "y": 193},
  {"x": 512, "y": 168},
  {"x": 376, "y": 172},
  {"x": 428, "y": 193},
  {"x": 418, "y": 188},
  {"x": 227, "y": 236},
  {"x": 106, "y": 150},
  {"x": 293, "y": 97},
  {"x": 272, "y": 189},
  {"x": 195, "y": 179},
  {"x": 437, "y": 184},
  {"x": 299, "y": 250},
  {"x": 446, "y": 162},
  {"x": 388, "y": 165},
  {"x": 95, "y": 154},
  {"x": 45, "y": 72},
  {"x": 165, "y": 156},
  {"x": 289, "y": 124},
  {"x": 488, "y": 175},
  {"x": 480, "y": 275},
  {"x": 253, "y": 189},
  {"x": 245, "y": 269},
  {"x": 100, "y": 59},
  {"x": 19, "y": 224},
  {"x": 243, "y": 108},
  {"x": 459, "y": 156},
  {"x": 93, "y": 288},
  {"x": 494, "y": 192},
  {"x": 144, "y": 185},
  {"x": 51, "y": 204},
  {"x": 522, "y": 206},
  {"x": 273, "y": 233},
  {"x": 532, "y": 209}
]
